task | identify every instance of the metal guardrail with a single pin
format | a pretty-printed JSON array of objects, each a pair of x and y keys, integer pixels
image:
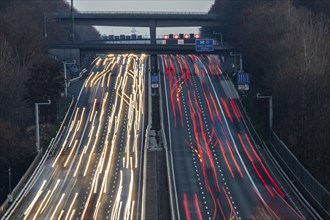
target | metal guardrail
[
  {"x": 259, "y": 143},
  {"x": 306, "y": 180}
]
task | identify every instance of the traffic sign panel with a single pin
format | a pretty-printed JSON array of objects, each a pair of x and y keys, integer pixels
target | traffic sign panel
[
  {"x": 203, "y": 45},
  {"x": 154, "y": 85},
  {"x": 154, "y": 79},
  {"x": 243, "y": 78}
]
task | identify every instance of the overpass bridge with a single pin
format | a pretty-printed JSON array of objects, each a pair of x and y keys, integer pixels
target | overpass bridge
[
  {"x": 138, "y": 19},
  {"x": 139, "y": 48}
]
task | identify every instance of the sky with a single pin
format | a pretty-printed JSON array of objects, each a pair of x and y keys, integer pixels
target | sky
[{"x": 144, "y": 5}]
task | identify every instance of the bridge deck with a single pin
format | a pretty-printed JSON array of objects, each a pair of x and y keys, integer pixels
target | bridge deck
[{"x": 141, "y": 48}]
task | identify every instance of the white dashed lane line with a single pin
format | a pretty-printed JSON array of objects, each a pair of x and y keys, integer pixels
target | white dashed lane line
[
  {"x": 194, "y": 155},
  {"x": 214, "y": 152}
]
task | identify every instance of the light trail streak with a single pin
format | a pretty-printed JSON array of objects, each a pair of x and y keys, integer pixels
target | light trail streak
[
  {"x": 132, "y": 208},
  {"x": 103, "y": 80},
  {"x": 115, "y": 209},
  {"x": 127, "y": 150},
  {"x": 129, "y": 199},
  {"x": 87, "y": 203},
  {"x": 65, "y": 141},
  {"x": 222, "y": 213},
  {"x": 74, "y": 119},
  {"x": 86, "y": 146},
  {"x": 186, "y": 208},
  {"x": 197, "y": 208},
  {"x": 57, "y": 182},
  {"x": 96, "y": 210},
  {"x": 225, "y": 158},
  {"x": 88, "y": 79},
  {"x": 69, "y": 210},
  {"x": 229, "y": 202},
  {"x": 92, "y": 79},
  {"x": 90, "y": 119},
  {"x": 263, "y": 167},
  {"x": 26, "y": 213},
  {"x": 214, "y": 202},
  {"x": 233, "y": 158},
  {"x": 254, "y": 166},
  {"x": 236, "y": 111},
  {"x": 58, "y": 204},
  {"x": 226, "y": 109},
  {"x": 71, "y": 216},
  {"x": 60, "y": 215},
  {"x": 93, "y": 148},
  {"x": 40, "y": 206},
  {"x": 109, "y": 79},
  {"x": 74, "y": 146},
  {"x": 98, "y": 62}
]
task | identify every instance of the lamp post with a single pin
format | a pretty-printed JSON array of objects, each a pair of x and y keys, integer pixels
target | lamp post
[
  {"x": 10, "y": 196},
  {"x": 9, "y": 180},
  {"x": 270, "y": 98},
  {"x": 72, "y": 23},
  {"x": 45, "y": 26},
  {"x": 37, "y": 122},
  {"x": 221, "y": 37},
  {"x": 65, "y": 77},
  {"x": 240, "y": 60}
]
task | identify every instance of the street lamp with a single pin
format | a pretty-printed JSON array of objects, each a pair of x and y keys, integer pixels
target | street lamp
[
  {"x": 65, "y": 77},
  {"x": 37, "y": 122},
  {"x": 72, "y": 22},
  {"x": 10, "y": 196},
  {"x": 240, "y": 60},
  {"x": 270, "y": 98},
  {"x": 221, "y": 40},
  {"x": 45, "y": 26}
]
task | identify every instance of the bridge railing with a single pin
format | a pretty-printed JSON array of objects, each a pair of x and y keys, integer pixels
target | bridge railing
[
  {"x": 66, "y": 12},
  {"x": 300, "y": 175}
]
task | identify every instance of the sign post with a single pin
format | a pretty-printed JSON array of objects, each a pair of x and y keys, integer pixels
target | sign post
[{"x": 204, "y": 45}]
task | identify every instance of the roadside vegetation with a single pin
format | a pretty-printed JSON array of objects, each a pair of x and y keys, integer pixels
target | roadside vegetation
[
  {"x": 28, "y": 75},
  {"x": 286, "y": 49}
]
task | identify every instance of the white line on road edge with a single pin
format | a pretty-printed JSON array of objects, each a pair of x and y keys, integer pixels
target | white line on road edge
[
  {"x": 146, "y": 146},
  {"x": 142, "y": 169}
]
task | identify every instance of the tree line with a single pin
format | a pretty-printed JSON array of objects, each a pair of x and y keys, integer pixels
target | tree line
[
  {"x": 286, "y": 48},
  {"x": 28, "y": 75}
]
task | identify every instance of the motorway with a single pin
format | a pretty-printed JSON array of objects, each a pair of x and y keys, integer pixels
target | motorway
[
  {"x": 218, "y": 171},
  {"x": 93, "y": 169}
]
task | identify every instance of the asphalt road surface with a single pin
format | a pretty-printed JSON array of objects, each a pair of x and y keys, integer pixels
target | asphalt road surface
[
  {"x": 218, "y": 171},
  {"x": 93, "y": 169}
]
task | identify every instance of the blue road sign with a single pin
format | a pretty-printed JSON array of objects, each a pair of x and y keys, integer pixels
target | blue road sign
[
  {"x": 154, "y": 79},
  {"x": 243, "y": 78},
  {"x": 203, "y": 45}
]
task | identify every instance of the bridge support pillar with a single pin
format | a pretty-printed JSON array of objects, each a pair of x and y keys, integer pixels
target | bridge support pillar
[{"x": 152, "y": 29}]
